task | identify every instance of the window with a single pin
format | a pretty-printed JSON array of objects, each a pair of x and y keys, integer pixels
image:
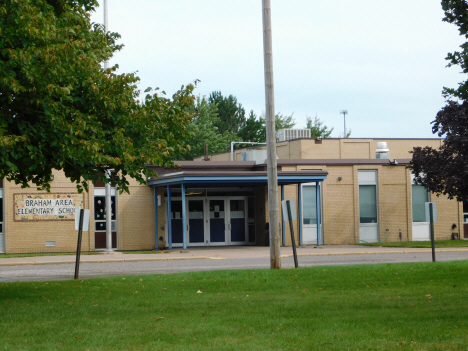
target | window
[
  {"x": 309, "y": 206},
  {"x": 367, "y": 196},
  {"x": 419, "y": 196}
]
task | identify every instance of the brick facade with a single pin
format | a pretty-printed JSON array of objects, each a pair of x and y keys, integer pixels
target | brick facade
[{"x": 341, "y": 158}]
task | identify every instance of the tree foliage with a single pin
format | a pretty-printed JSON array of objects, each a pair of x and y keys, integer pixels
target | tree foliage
[
  {"x": 202, "y": 130},
  {"x": 281, "y": 122},
  {"x": 253, "y": 129},
  {"x": 317, "y": 129},
  {"x": 445, "y": 170},
  {"x": 231, "y": 113},
  {"x": 60, "y": 110}
]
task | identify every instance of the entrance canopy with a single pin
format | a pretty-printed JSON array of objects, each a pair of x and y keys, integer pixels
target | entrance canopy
[{"x": 230, "y": 174}]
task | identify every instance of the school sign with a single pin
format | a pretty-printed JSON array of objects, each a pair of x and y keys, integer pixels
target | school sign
[{"x": 48, "y": 206}]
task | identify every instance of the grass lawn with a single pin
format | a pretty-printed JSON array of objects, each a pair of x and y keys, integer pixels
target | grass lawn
[
  {"x": 416, "y": 306},
  {"x": 427, "y": 244}
]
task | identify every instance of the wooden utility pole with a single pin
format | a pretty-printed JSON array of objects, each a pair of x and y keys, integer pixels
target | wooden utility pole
[
  {"x": 107, "y": 185},
  {"x": 275, "y": 255}
]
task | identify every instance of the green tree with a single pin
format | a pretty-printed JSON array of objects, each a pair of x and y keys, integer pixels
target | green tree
[
  {"x": 231, "y": 113},
  {"x": 60, "y": 110},
  {"x": 445, "y": 170},
  {"x": 281, "y": 122},
  {"x": 202, "y": 130},
  {"x": 317, "y": 129},
  {"x": 252, "y": 130}
]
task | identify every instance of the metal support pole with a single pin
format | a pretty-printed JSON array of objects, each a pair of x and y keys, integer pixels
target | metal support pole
[
  {"x": 184, "y": 218},
  {"x": 299, "y": 211},
  {"x": 291, "y": 229},
  {"x": 283, "y": 230},
  {"x": 108, "y": 213},
  {"x": 156, "y": 225},
  {"x": 78, "y": 247},
  {"x": 432, "y": 231},
  {"x": 169, "y": 217},
  {"x": 344, "y": 112},
  {"x": 318, "y": 211}
]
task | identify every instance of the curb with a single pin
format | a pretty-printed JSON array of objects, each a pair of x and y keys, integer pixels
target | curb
[
  {"x": 112, "y": 260},
  {"x": 155, "y": 259},
  {"x": 347, "y": 253}
]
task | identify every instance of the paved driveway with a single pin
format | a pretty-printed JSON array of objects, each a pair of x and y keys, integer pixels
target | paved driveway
[{"x": 204, "y": 259}]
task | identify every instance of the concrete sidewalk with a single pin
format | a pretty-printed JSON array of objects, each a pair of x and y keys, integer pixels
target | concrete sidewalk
[{"x": 217, "y": 253}]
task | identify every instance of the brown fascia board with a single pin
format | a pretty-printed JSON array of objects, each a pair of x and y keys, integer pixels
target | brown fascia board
[
  {"x": 211, "y": 172},
  {"x": 343, "y": 162},
  {"x": 203, "y": 166}
]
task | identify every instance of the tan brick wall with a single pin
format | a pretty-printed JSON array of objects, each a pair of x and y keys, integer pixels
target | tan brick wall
[
  {"x": 135, "y": 216},
  {"x": 331, "y": 148},
  {"x": 448, "y": 213},
  {"x": 328, "y": 148},
  {"x": 355, "y": 149},
  {"x": 339, "y": 212},
  {"x": 394, "y": 209},
  {"x": 30, "y": 236}
]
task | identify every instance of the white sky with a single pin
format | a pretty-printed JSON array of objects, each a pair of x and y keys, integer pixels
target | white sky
[{"x": 381, "y": 60}]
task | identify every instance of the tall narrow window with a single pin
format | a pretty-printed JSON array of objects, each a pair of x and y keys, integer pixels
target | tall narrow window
[
  {"x": 367, "y": 196},
  {"x": 309, "y": 204},
  {"x": 367, "y": 204},
  {"x": 419, "y": 196}
]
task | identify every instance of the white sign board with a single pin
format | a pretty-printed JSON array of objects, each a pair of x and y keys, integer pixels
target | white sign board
[
  {"x": 85, "y": 219},
  {"x": 46, "y": 206},
  {"x": 434, "y": 212},
  {"x": 292, "y": 206}
]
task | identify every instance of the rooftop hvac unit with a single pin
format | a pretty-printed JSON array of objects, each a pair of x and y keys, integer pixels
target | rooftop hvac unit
[
  {"x": 254, "y": 155},
  {"x": 382, "y": 151},
  {"x": 289, "y": 134}
]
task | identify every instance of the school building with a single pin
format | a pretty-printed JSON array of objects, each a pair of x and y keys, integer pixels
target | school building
[{"x": 345, "y": 190}]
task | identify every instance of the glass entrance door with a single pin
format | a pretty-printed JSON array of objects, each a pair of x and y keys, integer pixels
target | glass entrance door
[
  {"x": 176, "y": 218},
  {"x": 421, "y": 228},
  {"x": 196, "y": 222},
  {"x": 309, "y": 214},
  {"x": 212, "y": 221},
  {"x": 217, "y": 222},
  {"x": 237, "y": 223}
]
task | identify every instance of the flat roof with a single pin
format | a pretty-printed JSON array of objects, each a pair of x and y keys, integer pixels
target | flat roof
[{"x": 234, "y": 178}]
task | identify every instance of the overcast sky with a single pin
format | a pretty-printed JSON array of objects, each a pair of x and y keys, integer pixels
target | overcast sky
[{"x": 382, "y": 61}]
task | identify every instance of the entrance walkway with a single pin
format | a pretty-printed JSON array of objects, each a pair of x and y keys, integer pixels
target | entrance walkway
[{"x": 217, "y": 253}]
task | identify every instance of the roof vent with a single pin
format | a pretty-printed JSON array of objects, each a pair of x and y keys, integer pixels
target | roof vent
[
  {"x": 382, "y": 151},
  {"x": 290, "y": 134}
]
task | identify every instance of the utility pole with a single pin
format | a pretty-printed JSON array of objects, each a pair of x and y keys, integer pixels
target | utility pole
[
  {"x": 275, "y": 255},
  {"x": 108, "y": 187},
  {"x": 344, "y": 112}
]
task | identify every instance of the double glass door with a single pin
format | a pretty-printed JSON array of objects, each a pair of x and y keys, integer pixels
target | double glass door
[{"x": 211, "y": 221}]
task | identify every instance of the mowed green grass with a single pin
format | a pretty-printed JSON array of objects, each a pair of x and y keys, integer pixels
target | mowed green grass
[{"x": 417, "y": 306}]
